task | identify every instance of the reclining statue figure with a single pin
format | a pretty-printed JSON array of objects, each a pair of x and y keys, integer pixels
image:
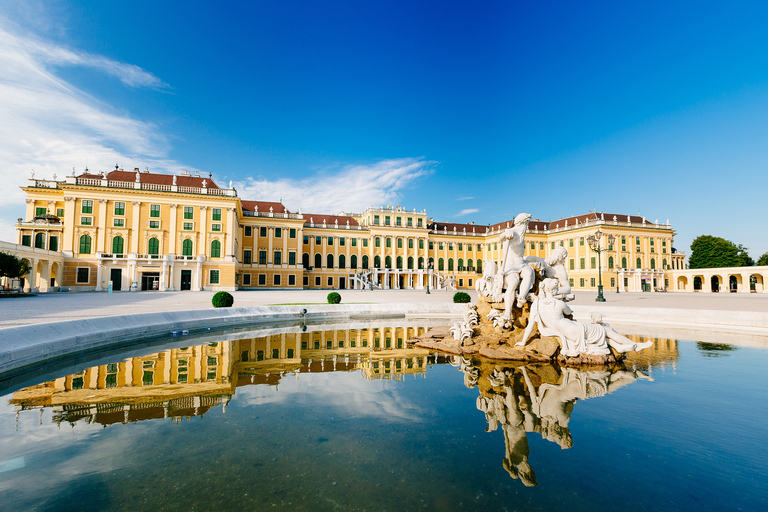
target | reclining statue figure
[{"x": 549, "y": 313}]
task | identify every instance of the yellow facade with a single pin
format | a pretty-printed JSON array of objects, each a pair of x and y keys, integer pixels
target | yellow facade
[{"x": 149, "y": 233}]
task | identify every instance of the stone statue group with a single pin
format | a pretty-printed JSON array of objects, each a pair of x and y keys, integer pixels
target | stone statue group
[{"x": 513, "y": 281}]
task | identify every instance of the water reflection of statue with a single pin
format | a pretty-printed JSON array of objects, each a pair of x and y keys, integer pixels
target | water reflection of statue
[
  {"x": 538, "y": 399},
  {"x": 550, "y": 314}
]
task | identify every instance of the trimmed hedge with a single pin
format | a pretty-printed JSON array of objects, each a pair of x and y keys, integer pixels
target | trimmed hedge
[
  {"x": 334, "y": 298},
  {"x": 461, "y": 298},
  {"x": 222, "y": 300}
]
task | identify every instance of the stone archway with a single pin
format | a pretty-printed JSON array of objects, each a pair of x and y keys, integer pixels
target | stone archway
[
  {"x": 734, "y": 283},
  {"x": 698, "y": 282},
  {"x": 715, "y": 284},
  {"x": 682, "y": 283},
  {"x": 756, "y": 283}
]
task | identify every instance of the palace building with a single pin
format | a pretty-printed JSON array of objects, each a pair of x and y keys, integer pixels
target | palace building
[{"x": 148, "y": 231}]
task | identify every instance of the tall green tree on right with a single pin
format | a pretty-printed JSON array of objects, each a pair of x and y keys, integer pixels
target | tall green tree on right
[
  {"x": 763, "y": 260},
  {"x": 713, "y": 252}
]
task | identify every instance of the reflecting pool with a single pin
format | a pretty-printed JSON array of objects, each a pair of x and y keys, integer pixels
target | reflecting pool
[{"x": 353, "y": 419}]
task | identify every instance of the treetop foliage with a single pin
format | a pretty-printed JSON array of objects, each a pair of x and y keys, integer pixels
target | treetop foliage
[
  {"x": 763, "y": 260},
  {"x": 714, "y": 252},
  {"x": 13, "y": 267}
]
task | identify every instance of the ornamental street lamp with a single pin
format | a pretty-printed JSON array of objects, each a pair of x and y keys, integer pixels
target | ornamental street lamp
[{"x": 594, "y": 244}]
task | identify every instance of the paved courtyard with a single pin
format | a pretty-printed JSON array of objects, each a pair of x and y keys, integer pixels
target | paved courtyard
[{"x": 56, "y": 307}]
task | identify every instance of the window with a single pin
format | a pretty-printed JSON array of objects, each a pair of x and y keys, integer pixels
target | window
[
  {"x": 623, "y": 262},
  {"x": 342, "y": 261},
  {"x": 377, "y": 242},
  {"x": 278, "y": 258},
  {"x": 40, "y": 211},
  {"x": 353, "y": 262},
  {"x": 440, "y": 264},
  {"x": 329, "y": 261},
  {"x": 581, "y": 263},
  {"x": 155, "y": 224},
  {"x": 450, "y": 264},
  {"x": 330, "y": 282},
  {"x": 278, "y": 232},
  {"x": 306, "y": 280},
  {"x": 248, "y": 231},
  {"x": 431, "y": 245},
  {"x": 581, "y": 282},
  {"x": 117, "y": 245},
  {"x": 262, "y": 231},
  {"x": 581, "y": 241},
  {"x": 53, "y": 244},
  {"x": 86, "y": 221},
  {"x": 570, "y": 264},
  {"x": 153, "y": 246},
  {"x": 189, "y": 212},
  {"x": 552, "y": 245},
  {"x": 292, "y": 280},
  {"x": 398, "y": 221},
  {"x": 354, "y": 242},
  {"x": 592, "y": 282},
  {"x": 119, "y": 223},
  {"x": 317, "y": 280},
  {"x": 186, "y": 247},
  {"x": 389, "y": 242},
  {"x": 461, "y": 247},
  {"x": 246, "y": 279},
  {"x": 276, "y": 280},
  {"x": 154, "y": 211},
  {"x": 365, "y": 242},
  {"x": 83, "y": 275},
  {"x": 85, "y": 244},
  {"x": 440, "y": 245},
  {"x": 639, "y": 263},
  {"x": 399, "y": 243},
  {"x": 592, "y": 262},
  {"x": 262, "y": 257},
  {"x": 87, "y": 206},
  {"x": 215, "y": 227},
  {"x": 291, "y": 258},
  {"x": 275, "y": 353},
  {"x": 188, "y": 226},
  {"x": 376, "y": 219},
  {"x": 215, "y": 249},
  {"x": 410, "y": 222},
  {"x": 365, "y": 262},
  {"x": 216, "y": 214},
  {"x": 613, "y": 282},
  {"x": 541, "y": 246},
  {"x": 637, "y": 240},
  {"x": 40, "y": 241},
  {"x": 318, "y": 260},
  {"x": 214, "y": 277},
  {"x": 330, "y": 240},
  {"x": 247, "y": 257},
  {"x": 318, "y": 240},
  {"x": 610, "y": 262},
  {"x": 59, "y": 212},
  {"x": 342, "y": 240},
  {"x": 262, "y": 279},
  {"x": 386, "y": 220},
  {"x": 292, "y": 233},
  {"x": 533, "y": 245}
]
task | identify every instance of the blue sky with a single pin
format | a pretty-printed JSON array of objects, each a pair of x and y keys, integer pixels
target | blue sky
[{"x": 475, "y": 112}]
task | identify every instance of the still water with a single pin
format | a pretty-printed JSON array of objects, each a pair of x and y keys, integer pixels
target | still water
[{"x": 354, "y": 420}]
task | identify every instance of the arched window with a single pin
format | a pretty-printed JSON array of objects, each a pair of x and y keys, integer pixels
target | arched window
[
  {"x": 342, "y": 261},
  {"x": 623, "y": 262},
  {"x": 440, "y": 264},
  {"x": 305, "y": 260},
  {"x": 329, "y": 261},
  {"x": 461, "y": 264},
  {"x": 450, "y": 264},
  {"x": 365, "y": 262},
  {"x": 399, "y": 262},
  {"x": 353, "y": 261},
  {"x": 186, "y": 247},
  {"x": 653, "y": 263},
  {"x": 117, "y": 245},
  {"x": 153, "y": 246},
  {"x": 410, "y": 262},
  {"x": 479, "y": 266},
  {"x": 388, "y": 261},
  {"x": 421, "y": 263},
  {"x": 215, "y": 249},
  {"x": 377, "y": 262},
  {"x": 40, "y": 241},
  {"x": 85, "y": 244},
  {"x": 610, "y": 261},
  {"x": 664, "y": 264},
  {"x": 469, "y": 264},
  {"x": 318, "y": 260},
  {"x": 431, "y": 262},
  {"x": 639, "y": 263}
]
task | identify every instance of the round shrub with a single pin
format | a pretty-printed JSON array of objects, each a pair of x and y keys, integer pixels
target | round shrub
[
  {"x": 461, "y": 298},
  {"x": 222, "y": 300},
  {"x": 334, "y": 298}
]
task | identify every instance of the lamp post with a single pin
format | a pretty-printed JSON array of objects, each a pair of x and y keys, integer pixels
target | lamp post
[
  {"x": 594, "y": 244},
  {"x": 429, "y": 274}
]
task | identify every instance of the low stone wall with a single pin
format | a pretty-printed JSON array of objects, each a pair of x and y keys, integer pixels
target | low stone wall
[{"x": 24, "y": 346}]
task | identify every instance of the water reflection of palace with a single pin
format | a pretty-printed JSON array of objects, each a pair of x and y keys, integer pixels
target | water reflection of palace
[
  {"x": 541, "y": 397},
  {"x": 189, "y": 381}
]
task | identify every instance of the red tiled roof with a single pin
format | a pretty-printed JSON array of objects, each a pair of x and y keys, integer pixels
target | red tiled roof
[
  {"x": 330, "y": 220},
  {"x": 264, "y": 206},
  {"x": 162, "y": 179}
]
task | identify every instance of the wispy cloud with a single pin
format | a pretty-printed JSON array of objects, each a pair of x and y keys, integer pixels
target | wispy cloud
[
  {"x": 465, "y": 198},
  {"x": 348, "y": 188},
  {"x": 50, "y": 125},
  {"x": 466, "y": 212}
]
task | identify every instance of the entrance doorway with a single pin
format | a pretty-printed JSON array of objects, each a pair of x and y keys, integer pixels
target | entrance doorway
[
  {"x": 116, "y": 276},
  {"x": 342, "y": 283},
  {"x": 150, "y": 281},
  {"x": 186, "y": 280},
  {"x": 401, "y": 282}
]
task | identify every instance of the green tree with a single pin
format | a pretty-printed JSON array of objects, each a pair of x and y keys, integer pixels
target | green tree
[
  {"x": 713, "y": 252},
  {"x": 12, "y": 267},
  {"x": 763, "y": 259}
]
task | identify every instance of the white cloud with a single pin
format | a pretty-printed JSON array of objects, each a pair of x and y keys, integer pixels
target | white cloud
[
  {"x": 349, "y": 188},
  {"x": 467, "y": 212},
  {"x": 465, "y": 198},
  {"x": 50, "y": 126}
]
